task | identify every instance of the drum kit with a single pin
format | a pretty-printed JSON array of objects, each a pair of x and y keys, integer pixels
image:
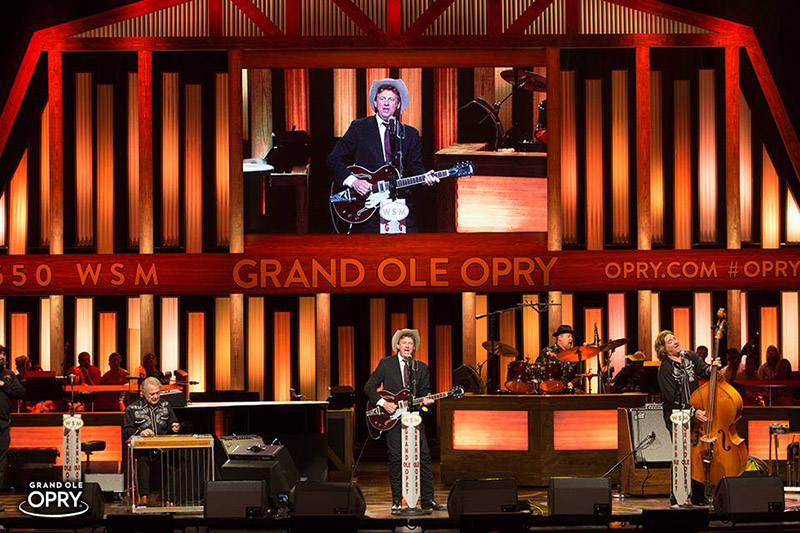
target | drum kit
[{"x": 549, "y": 376}]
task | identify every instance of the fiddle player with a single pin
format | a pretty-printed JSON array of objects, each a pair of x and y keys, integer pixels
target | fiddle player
[
  {"x": 678, "y": 378},
  {"x": 564, "y": 340}
]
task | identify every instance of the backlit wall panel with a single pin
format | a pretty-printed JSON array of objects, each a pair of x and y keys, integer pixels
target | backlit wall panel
[
  {"x": 222, "y": 343},
  {"x": 344, "y": 99},
  {"x": 531, "y": 337},
  {"x": 569, "y": 159},
  {"x": 170, "y": 334},
  {"x": 19, "y": 335},
  {"x": 594, "y": 165},
  {"x": 295, "y": 82},
  {"x": 346, "y": 349},
  {"x": 501, "y": 90},
  {"x": 444, "y": 357},
  {"x": 707, "y": 157},
  {"x": 18, "y": 207},
  {"x": 134, "y": 340},
  {"x": 44, "y": 178},
  {"x": 196, "y": 350},
  {"x": 170, "y": 159},
  {"x": 769, "y": 330},
  {"x": 792, "y": 219},
  {"x": 259, "y": 89},
  {"x": 413, "y": 114},
  {"x": 378, "y": 348},
  {"x": 133, "y": 158},
  {"x": 682, "y": 327},
  {"x": 482, "y": 204},
  {"x": 656, "y": 159},
  {"x": 593, "y": 320},
  {"x": 84, "y": 328},
  {"x": 193, "y": 168},
  {"x": 703, "y": 320},
  {"x": 682, "y": 167},
  {"x": 282, "y": 350},
  {"x": 770, "y": 204},
  {"x": 420, "y": 323},
  {"x": 745, "y": 169},
  {"x": 617, "y": 328},
  {"x": 106, "y": 338},
  {"x": 481, "y": 328},
  {"x": 256, "y": 345},
  {"x": 105, "y": 169},
  {"x": 221, "y": 158},
  {"x": 84, "y": 172},
  {"x": 445, "y": 102},
  {"x": 44, "y": 332},
  {"x": 620, "y": 172},
  {"x": 790, "y": 325},
  {"x": 307, "y": 346}
]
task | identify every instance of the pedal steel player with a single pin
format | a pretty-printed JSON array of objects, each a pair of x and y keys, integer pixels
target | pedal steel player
[{"x": 396, "y": 373}]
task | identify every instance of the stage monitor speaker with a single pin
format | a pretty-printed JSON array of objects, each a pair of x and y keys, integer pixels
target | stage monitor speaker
[
  {"x": 643, "y": 422},
  {"x": 579, "y": 496},
  {"x": 92, "y": 495},
  {"x": 482, "y": 496},
  {"x": 325, "y": 498},
  {"x": 277, "y": 487},
  {"x": 749, "y": 494},
  {"x": 468, "y": 378},
  {"x": 235, "y": 499}
]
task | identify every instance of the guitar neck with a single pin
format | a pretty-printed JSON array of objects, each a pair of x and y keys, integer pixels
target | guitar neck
[
  {"x": 416, "y": 180},
  {"x": 438, "y": 396}
]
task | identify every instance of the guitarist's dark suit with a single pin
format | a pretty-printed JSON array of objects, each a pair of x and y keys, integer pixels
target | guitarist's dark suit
[
  {"x": 362, "y": 145},
  {"x": 389, "y": 374}
]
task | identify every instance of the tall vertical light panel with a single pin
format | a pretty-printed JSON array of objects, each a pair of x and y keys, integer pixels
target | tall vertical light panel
[{"x": 707, "y": 157}]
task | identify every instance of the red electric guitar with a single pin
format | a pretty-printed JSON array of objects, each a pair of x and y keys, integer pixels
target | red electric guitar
[
  {"x": 356, "y": 209},
  {"x": 383, "y": 421}
]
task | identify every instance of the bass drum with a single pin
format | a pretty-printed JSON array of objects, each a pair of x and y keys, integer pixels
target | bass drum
[
  {"x": 551, "y": 377},
  {"x": 520, "y": 378}
]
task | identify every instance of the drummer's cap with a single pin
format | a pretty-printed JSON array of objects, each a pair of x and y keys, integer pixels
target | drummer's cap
[{"x": 563, "y": 328}]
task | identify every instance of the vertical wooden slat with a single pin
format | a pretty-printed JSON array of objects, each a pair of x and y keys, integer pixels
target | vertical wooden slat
[
  {"x": 702, "y": 319},
  {"x": 44, "y": 333},
  {"x": 377, "y": 331},
  {"x": 260, "y": 89},
  {"x": 745, "y": 170},
  {"x": 44, "y": 179},
  {"x": 84, "y": 168},
  {"x": 196, "y": 350},
  {"x": 420, "y": 323},
  {"x": 145, "y": 107},
  {"x": 620, "y": 194},
  {"x": 508, "y": 335},
  {"x": 3, "y": 339},
  {"x": 256, "y": 348},
  {"x": 413, "y": 80},
  {"x": 345, "y": 336},
  {"x": 682, "y": 214},
  {"x": 560, "y": 313},
  {"x": 222, "y": 165},
  {"x": 770, "y": 204},
  {"x": 483, "y": 79},
  {"x": 645, "y": 343},
  {"x": 682, "y": 326},
  {"x": 344, "y": 99},
  {"x": 193, "y": 168},
  {"x": 481, "y": 329},
  {"x": 502, "y": 89},
  {"x": 133, "y": 159},
  {"x": 707, "y": 157},
  {"x": 790, "y": 318},
  {"x": 617, "y": 328},
  {"x": 56, "y": 331},
  {"x": 594, "y": 165},
  {"x": 235, "y": 159},
  {"x": 468, "y": 328},
  {"x": 170, "y": 337},
  {"x": 445, "y": 97},
  {"x": 643, "y": 148},
  {"x": 106, "y": 338},
  {"x": 222, "y": 341},
  {"x": 282, "y": 349},
  {"x": 444, "y": 357},
  {"x": 734, "y": 309},
  {"x": 18, "y": 208},
  {"x": 237, "y": 355},
  {"x": 295, "y": 81},
  {"x": 531, "y": 337},
  {"x": 656, "y": 159},
  {"x": 55, "y": 109},
  {"x": 306, "y": 346},
  {"x": 569, "y": 159},
  {"x": 105, "y": 169},
  {"x": 170, "y": 162},
  {"x": 323, "y": 344},
  {"x": 792, "y": 218},
  {"x": 655, "y": 325},
  {"x": 593, "y": 318},
  {"x": 769, "y": 330},
  {"x": 134, "y": 335},
  {"x": 733, "y": 215},
  {"x": 84, "y": 327},
  {"x": 554, "y": 220},
  {"x": 19, "y": 335}
]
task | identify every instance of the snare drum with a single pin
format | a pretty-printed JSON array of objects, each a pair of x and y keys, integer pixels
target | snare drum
[
  {"x": 551, "y": 377},
  {"x": 520, "y": 378}
]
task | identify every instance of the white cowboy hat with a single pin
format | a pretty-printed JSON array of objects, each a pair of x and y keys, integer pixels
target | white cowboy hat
[
  {"x": 413, "y": 333},
  {"x": 400, "y": 85}
]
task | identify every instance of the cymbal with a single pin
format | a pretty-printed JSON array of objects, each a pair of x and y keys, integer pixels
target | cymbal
[
  {"x": 579, "y": 353},
  {"x": 613, "y": 344},
  {"x": 525, "y": 79},
  {"x": 500, "y": 348}
]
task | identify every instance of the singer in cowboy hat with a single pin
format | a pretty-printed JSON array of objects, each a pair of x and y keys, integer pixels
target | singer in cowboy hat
[
  {"x": 368, "y": 143},
  {"x": 395, "y": 373}
]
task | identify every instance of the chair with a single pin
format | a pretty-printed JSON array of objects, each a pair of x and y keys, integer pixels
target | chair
[{"x": 89, "y": 448}]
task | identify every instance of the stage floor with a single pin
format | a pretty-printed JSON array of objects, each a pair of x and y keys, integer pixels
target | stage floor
[{"x": 373, "y": 479}]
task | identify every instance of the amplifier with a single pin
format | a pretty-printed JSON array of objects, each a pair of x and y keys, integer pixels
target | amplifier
[
  {"x": 646, "y": 420},
  {"x": 249, "y": 447}
]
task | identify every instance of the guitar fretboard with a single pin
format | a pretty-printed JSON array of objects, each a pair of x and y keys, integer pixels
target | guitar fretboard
[
  {"x": 416, "y": 180},
  {"x": 438, "y": 396}
]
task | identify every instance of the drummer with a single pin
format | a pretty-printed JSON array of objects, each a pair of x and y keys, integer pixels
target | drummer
[{"x": 565, "y": 340}]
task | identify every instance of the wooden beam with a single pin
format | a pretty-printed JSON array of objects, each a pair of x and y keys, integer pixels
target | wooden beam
[
  {"x": 57, "y": 343},
  {"x": 732, "y": 126},
  {"x": 645, "y": 313},
  {"x": 642, "y": 80},
  {"x": 427, "y": 18},
  {"x": 554, "y": 314},
  {"x": 354, "y": 13},
  {"x": 20, "y": 87},
  {"x": 145, "y": 80},
  {"x": 468, "y": 328},
  {"x": 734, "y": 333},
  {"x": 235, "y": 148},
  {"x": 237, "y": 341},
  {"x": 147, "y": 324},
  {"x": 526, "y": 19},
  {"x": 258, "y": 17},
  {"x": 554, "y": 219},
  {"x": 55, "y": 95},
  {"x": 686, "y": 16},
  {"x": 137, "y": 9},
  {"x": 323, "y": 346}
]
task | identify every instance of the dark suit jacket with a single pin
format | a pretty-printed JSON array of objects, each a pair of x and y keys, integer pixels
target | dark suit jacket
[
  {"x": 388, "y": 373},
  {"x": 362, "y": 145}
]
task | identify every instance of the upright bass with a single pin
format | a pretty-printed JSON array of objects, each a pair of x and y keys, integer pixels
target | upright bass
[{"x": 717, "y": 449}]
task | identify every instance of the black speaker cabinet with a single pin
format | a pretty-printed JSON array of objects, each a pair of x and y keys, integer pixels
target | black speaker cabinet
[
  {"x": 278, "y": 487},
  {"x": 235, "y": 499},
  {"x": 468, "y": 378},
  {"x": 482, "y": 496},
  {"x": 749, "y": 494},
  {"x": 579, "y": 496},
  {"x": 322, "y": 498},
  {"x": 93, "y": 496}
]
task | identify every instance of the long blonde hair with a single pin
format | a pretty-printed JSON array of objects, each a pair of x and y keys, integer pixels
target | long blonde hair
[{"x": 660, "y": 345}]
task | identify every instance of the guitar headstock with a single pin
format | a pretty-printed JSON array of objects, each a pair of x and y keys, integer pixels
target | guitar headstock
[
  {"x": 464, "y": 168},
  {"x": 457, "y": 392}
]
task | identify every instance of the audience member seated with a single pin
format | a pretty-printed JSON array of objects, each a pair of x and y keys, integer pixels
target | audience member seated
[
  {"x": 733, "y": 360},
  {"x": 85, "y": 373},
  {"x": 116, "y": 375},
  {"x": 784, "y": 395},
  {"x": 702, "y": 353},
  {"x": 769, "y": 370},
  {"x": 149, "y": 369}
]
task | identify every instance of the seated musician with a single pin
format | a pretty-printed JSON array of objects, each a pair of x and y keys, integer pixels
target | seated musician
[
  {"x": 85, "y": 373},
  {"x": 564, "y": 340},
  {"x": 116, "y": 375},
  {"x": 367, "y": 144},
  {"x": 678, "y": 378},
  {"x": 396, "y": 373},
  {"x": 149, "y": 369},
  {"x": 147, "y": 417}
]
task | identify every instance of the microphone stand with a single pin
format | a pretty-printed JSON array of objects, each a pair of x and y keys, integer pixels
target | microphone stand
[
  {"x": 396, "y": 159},
  {"x": 644, "y": 443}
]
